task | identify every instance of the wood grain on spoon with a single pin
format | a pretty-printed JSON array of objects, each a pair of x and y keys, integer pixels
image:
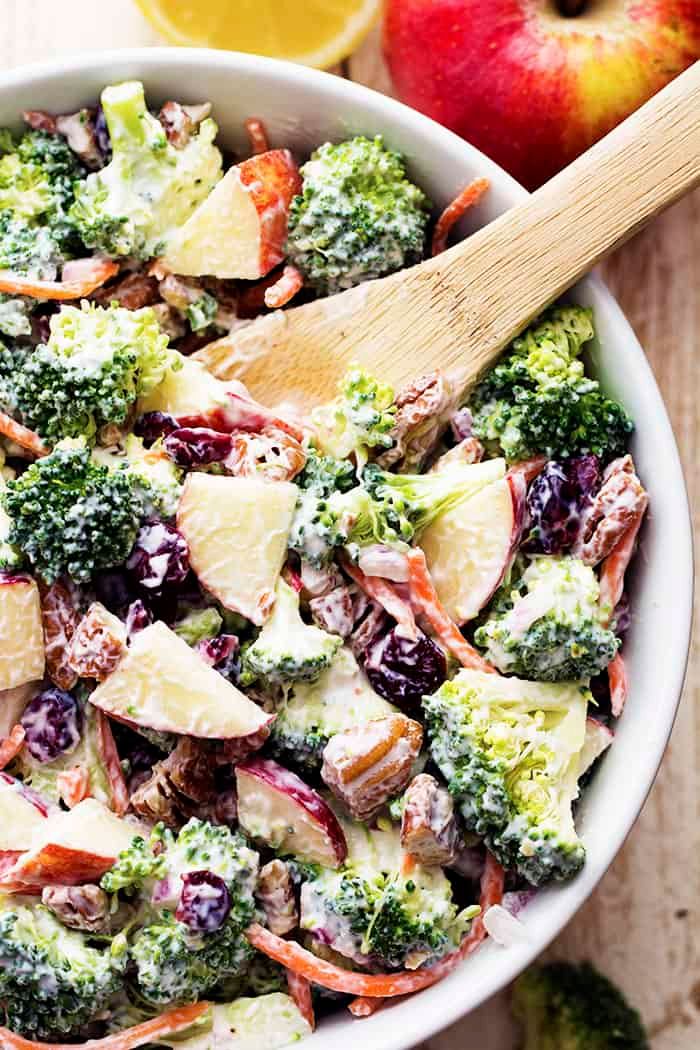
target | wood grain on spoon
[{"x": 458, "y": 310}]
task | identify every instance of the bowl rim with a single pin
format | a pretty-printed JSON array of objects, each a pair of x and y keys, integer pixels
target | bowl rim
[{"x": 421, "y": 1017}]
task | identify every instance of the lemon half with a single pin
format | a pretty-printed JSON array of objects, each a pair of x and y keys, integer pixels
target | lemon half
[{"x": 314, "y": 32}]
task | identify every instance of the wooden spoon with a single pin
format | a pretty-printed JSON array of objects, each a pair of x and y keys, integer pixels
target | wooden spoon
[{"x": 458, "y": 310}]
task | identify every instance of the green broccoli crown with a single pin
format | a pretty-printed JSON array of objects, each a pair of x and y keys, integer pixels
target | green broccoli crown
[
  {"x": 537, "y": 399},
  {"x": 149, "y": 188},
  {"x": 358, "y": 216},
  {"x": 324, "y": 475},
  {"x": 509, "y": 751},
  {"x": 287, "y": 649},
  {"x": 171, "y": 967},
  {"x": 361, "y": 417},
  {"x": 314, "y": 532},
  {"x": 15, "y": 316},
  {"x": 37, "y": 179},
  {"x": 548, "y": 625},
  {"x": 564, "y": 1006},
  {"x": 135, "y": 865},
  {"x": 155, "y": 478},
  {"x": 51, "y": 981},
  {"x": 376, "y": 914},
  {"x": 71, "y": 515},
  {"x": 96, "y": 363}
]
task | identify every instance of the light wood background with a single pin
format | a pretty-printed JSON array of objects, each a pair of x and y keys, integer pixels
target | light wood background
[{"x": 642, "y": 926}]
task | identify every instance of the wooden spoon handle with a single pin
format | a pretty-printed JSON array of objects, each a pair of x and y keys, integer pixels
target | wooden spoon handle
[{"x": 458, "y": 310}]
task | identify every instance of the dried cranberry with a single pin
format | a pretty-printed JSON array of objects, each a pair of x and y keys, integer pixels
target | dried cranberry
[
  {"x": 52, "y": 723},
  {"x": 404, "y": 671},
  {"x": 204, "y": 903},
  {"x": 153, "y": 425},
  {"x": 102, "y": 138},
  {"x": 196, "y": 446},
  {"x": 622, "y": 617},
  {"x": 159, "y": 556},
  {"x": 222, "y": 654},
  {"x": 461, "y": 424},
  {"x": 557, "y": 501},
  {"x": 114, "y": 589},
  {"x": 137, "y": 617}
]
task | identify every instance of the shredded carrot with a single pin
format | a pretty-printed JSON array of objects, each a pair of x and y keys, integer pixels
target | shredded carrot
[
  {"x": 614, "y": 567},
  {"x": 464, "y": 200},
  {"x": 149, "y": 1032},
  {"x": 74, "y": 785},
  {"x": 300, "y": 991},
  {"x": 22, "y": 436},
  {"x": 10, "y": 746},
  {"x": 382, "y": 592},
  {"x": 257, "y": 136},
  {"x": 113, "y": 767},
  {"x": 425, "y": 599},
  {"x": 285, "y": 288},
  {"x": 363, "y": 1006},
  {"x": 617, "y": 679},
  {"x": 99, "y": 272}
]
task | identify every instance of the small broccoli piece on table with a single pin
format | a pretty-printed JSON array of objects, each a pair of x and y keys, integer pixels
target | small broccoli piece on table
[
  {"x": 370, "y": 912},
  {"x": 287, "y": 649},
  {"x": 537, "y": 399},
  {"x": 564, "y": 1006},
  {"x": 548, "y": 625},
  {"x": 192, "y": 945},
  {"x": 72, "y": 515},
  {"x": 97, "y": 362},
  {"x": 149, "y": 188},
  {"x": 37, "y": 179},
  {"x": 52, "y": 982},
  {"x": 510, "y": 753},
  {"x": 358, "y": 216}
]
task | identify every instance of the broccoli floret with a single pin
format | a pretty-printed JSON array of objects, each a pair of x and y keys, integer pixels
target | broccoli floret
[
  {"x": 324, "y": 475},
  {"x": 358, "y": 216},
  {"x": 537, "y": 399},
  {"x": 361, "y": 417},
  {"x": 173, "y": 964},
  {"x": 14, "y": 316},
  {"x": 37, "y": 180},
  {"x": 287, "y": 649},
  {"x": 371, "y": 912},
  {"x": 202, "y": 311},
  {"x": 314, "y": 533},
  {"x": 96, "y": 363},
  {"x": 51, "y": 981},
  {"x": 548, "y": 625},
  {"x": 149, "y": 188},
  {"x": 156, "y": 479},
  {"x": 510, "y": 753},
  {"x": 564, "y": 1006},
  {"x": 71, "y": 515},
  {"x": 199, "y": 624}
]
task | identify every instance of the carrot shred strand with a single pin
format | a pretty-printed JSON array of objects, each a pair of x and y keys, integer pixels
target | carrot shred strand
[
  {"x": 257, "y": 136},
  {"x": 382, "y": 592},
  {"x": 22, "y": 436},
  {"x": 285, "y": 288},
  {"x": 454, "y": 211},
  {"x": 149, "y": 1032},
  {"x": 93, "y": 277},
  {"x": 300, "y": 991}
]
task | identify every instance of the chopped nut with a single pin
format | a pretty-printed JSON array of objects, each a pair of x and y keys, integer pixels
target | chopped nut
[
  {"x": 272, "y": 455},
  {"x": 275, "y": 891},
  {"x": 620, "y": 502},
  {"x": 133, "y": 292},
  {"x": 469, "y": 450},
  {"x": 428, "y": 827},
  {"x": 333, "y": 611},
  {"x": 98, "y": 643},
  {"x": 79, "y": 907},
  {"x": 170, "y": 320},
  {"x": 60, "y": 617},
  {"x": 423, "y": 410},
  {"x": 179, "y": 784},
  {"x": 365, "y": 766},
  {"x": 78, "y": 129}
]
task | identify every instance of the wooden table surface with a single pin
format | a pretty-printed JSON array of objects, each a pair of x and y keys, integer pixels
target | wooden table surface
[{"x": 642, "y": 926}]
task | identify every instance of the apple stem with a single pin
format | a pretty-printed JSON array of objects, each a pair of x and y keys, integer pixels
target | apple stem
[{"x": 571, "y": 8}]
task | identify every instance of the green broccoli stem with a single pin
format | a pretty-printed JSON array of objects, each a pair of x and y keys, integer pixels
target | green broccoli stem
[{"x": 124, "y": 106}]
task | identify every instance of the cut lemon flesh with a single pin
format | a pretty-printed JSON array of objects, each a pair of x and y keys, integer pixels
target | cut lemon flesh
[{"x": 314, "y": 32}]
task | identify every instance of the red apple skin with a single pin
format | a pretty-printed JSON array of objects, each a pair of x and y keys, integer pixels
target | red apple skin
[
  {"x": 59, "y": 865},
  {"x": 529, "y": 87},
  {"x": 287, "y": 783},
  {"x": 272, "y": 179}
]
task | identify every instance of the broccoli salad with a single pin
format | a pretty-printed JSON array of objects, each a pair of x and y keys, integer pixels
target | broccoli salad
[{"x": 297, "y": 704}]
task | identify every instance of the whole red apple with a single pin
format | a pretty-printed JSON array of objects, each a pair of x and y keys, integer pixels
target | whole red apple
[{"x": 533, "y": 83}]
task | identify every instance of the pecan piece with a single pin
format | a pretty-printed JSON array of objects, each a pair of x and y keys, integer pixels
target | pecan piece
[
  {"x": 60, "y": 617},
  {"x": 423, "y": 410},
  {"x": 369, "y": 764},
  {"x": 156, "y": 799},
  {"x": 272, "y": 455},
  {"x": 133, "y": 292},
  {"x": 621, "y": 501},
  {"x": 275, "y": 892},
  {"x": 179, "y": 784},
  {"x": 98, "y": 643},
  {"x": 180, "y": 122},
  {"x": 429, "y": 829},
  {"x": 469, "y": 450},
  {"x": 79, "y": 907},
  {"x": 78, "y": 129},
  {"x": 333, "y": 611}
]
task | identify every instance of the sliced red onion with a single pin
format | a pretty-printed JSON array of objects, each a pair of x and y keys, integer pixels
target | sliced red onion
[
  {"x": 380, "y": 560},
  {"x": 503, "y": 927}
]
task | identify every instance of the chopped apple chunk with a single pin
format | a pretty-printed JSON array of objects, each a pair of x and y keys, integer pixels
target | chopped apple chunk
[
  {"x": 236, "y": 529},
  {"x": 165, "y": 685},
  {"x": 277, "y": 807},
  {"x": 21, "y": 631},
  {"x": 21, "y": 812},
  {"x": 240, "y": 229},
  {"x": 73, "y": 847}
]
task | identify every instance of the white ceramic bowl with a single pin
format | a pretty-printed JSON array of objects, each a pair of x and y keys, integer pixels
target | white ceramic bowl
[{"x": 302, "y": 108}]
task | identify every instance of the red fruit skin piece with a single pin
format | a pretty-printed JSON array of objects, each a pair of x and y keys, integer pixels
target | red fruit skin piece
[
  {"x": 272, "y": 180},
  {"x": 528, "y": 87},
  {"x": 287, "y": 784},
  {"x": 60, "y": 865}
]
